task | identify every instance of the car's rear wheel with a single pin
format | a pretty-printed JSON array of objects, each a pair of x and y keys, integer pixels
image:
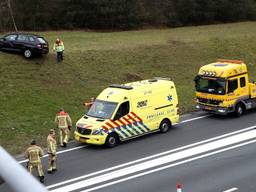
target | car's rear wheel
[
  {"x": 111, "y": 140},
  {"x": 27, "y": 53},
  {"x": 165, "y": 125}
]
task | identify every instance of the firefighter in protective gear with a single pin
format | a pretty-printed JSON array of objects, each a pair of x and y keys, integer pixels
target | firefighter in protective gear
[
  {"x": 33, "y": 154},
  {"x": 59, "y": 48},
  {"x": 51, "y": 150},
  {"x": 89, "y": 104},
  {"x": 64, "y": 123}
]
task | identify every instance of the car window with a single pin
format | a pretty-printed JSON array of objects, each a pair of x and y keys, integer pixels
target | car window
[
  {"x": 22, "y": 38},
  {"x": 41, "y": 40},
  {"x": 10, "y": 37},
  {"x": 31, "y": 39}
]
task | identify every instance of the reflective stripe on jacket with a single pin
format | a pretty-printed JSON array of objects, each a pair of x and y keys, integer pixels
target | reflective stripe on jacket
[
  {"x": 63, "y": 120},
  {"x": 51, "y": 145},
  {"x": 33, "y": 154}
]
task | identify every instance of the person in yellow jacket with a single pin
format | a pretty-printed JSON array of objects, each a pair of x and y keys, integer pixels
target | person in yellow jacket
[
  {"x": 89, "y": 104},
  {"x": 51, "y": 150},
  {"x": 64, "y": 123},
  {"x": 33, "y": 154},
  {"x": 58, "y": 46}
]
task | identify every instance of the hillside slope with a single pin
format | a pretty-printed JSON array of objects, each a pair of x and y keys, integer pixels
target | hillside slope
[{"x": 33, "y": 90}]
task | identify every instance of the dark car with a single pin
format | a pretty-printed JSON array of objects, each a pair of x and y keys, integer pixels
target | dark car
[{"x": 27, "y": 44}]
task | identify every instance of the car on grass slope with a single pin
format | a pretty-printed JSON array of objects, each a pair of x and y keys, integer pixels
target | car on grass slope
[{"x": 27, "y": 44}]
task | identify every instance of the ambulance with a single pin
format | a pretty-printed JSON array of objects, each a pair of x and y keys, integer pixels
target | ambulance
[{"x": 126, "y": 111}]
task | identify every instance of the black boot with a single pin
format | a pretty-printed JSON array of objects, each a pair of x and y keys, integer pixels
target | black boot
[
  {"x": 41, "y": 178},
  {"x": 64, "y": 144}
]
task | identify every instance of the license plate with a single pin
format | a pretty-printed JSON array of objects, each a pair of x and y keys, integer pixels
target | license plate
[
  {"x": 82, "y": 139},
  {"x": 208, "y": 108}
]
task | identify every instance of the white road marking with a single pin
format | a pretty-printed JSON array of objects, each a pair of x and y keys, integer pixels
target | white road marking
[
  {"x": 75, "y": 148},
  {"x": 225, "y": 142},
  {"x": 230, "y": 190},
  {"x": 151, "y": 157},
  {"x": 169, "y": 166},
  {"x": 59, "y": 152},
  {"x": 193, "y": 119}
]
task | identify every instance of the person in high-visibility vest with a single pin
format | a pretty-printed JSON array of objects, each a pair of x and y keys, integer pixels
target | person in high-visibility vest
[
  {"x": 51, "y": 150},
  {"x": 64, "y": 123},
  {"x": 89, "y": 104},
  {"x": 33, "y": 154},
  {"x": 58, "y": 46}
]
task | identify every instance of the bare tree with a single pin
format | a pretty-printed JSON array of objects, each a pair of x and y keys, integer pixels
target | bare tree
[
  {"x": 9, "y": 2},
  {"x": 2, "y": 10}
]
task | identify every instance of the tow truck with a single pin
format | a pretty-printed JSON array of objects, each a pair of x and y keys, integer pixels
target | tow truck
[{"x": 223, "y": 87}]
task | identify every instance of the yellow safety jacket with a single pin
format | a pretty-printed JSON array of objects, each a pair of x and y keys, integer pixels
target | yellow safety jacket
[
  {"x": 33, "y": 154},
  {"x": 63, "y": 120},
  {"x": 59, "y": 47},
  {"x": 51, "y": 145}
]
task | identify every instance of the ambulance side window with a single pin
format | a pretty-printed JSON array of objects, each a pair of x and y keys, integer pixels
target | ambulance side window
[{"x": 123, "y": 110}]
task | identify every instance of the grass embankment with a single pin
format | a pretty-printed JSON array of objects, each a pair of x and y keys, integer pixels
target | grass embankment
[{"x": 33, "y": 90}]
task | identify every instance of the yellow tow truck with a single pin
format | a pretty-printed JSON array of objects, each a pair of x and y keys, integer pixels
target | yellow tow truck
[{"x": 223, "y": 87}]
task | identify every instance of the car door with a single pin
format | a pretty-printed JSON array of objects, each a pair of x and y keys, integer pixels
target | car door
[
  {"x": 20, "y": 42},
  {"x": 233, "y": 89},
  {"x": 8, "y": 42}
]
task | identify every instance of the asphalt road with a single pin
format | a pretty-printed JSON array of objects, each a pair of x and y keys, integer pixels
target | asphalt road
[{"x": 156, "y": 162}]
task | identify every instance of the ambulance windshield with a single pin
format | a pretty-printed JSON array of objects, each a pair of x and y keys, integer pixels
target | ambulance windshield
[
  {"x": 210, "y": 85},
  {"x": 102, "y": 109}
]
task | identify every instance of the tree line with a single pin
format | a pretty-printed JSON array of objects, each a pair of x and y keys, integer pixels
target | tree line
[{"x": 120, "y": 14}]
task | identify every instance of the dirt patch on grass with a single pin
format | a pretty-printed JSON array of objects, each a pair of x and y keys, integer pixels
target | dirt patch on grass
[{"x": 132, "y": 77}]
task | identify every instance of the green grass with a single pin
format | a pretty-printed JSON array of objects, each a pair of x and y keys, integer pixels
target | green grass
[{"x": 33, "y": 90}]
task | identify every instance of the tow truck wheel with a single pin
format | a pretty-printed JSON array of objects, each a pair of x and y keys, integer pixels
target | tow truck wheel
[
  {"x": 165, "y": 125},
  {"x": 111, "y": 140},
  {"x": 239, "y": 110}
]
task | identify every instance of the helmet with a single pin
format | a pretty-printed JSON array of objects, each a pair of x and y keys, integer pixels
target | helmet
[
  {"x": 33, "y": 142},
  {"x": 52, "y": 131},
  {"x": 57, "y": 40},
  {"x": 61, "y": 109}
]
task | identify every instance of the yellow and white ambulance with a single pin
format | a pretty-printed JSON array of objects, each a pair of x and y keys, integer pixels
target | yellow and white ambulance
[{"x": 127, "y": 111}]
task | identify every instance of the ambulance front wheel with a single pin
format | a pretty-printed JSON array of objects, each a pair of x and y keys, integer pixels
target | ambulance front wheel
[
  {"x": 165, "y": 125},
  {"x": 111, "y": 140}
]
